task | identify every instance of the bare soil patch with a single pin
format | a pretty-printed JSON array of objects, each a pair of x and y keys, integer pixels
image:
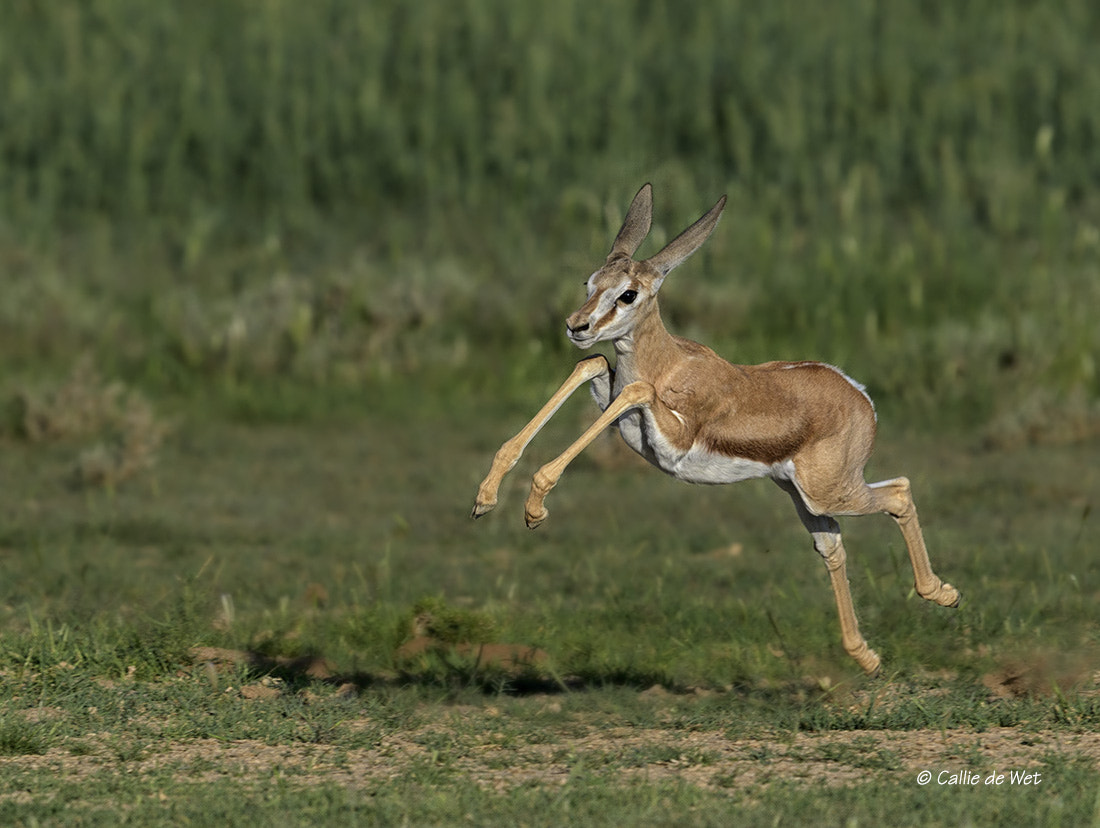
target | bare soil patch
[{"x": 498, "y": 762}]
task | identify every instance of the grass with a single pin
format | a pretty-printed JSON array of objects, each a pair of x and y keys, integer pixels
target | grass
[
  {"x": 694, "y": 638},
  {"x": 280, "y": 278},
  {"x": 451, "y": 104},
  {"x": 900, "y": 202}
]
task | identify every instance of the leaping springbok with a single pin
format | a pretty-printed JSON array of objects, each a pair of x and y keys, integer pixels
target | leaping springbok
[{"x": 806, "y": 425}]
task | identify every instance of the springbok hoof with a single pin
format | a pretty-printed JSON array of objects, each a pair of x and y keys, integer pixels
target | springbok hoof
[
  {"x": 867, "y": 659},
  {"x": 535, "y": 519},
  {"x": 945, "y": 595},
  {"x": 482, "y": 509},
  {"x": 948, "y": 601}
]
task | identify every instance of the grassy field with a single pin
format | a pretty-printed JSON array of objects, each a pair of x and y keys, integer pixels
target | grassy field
[
  {"x": 277, "y": 279},
  {"x": 217, "y": 638}
]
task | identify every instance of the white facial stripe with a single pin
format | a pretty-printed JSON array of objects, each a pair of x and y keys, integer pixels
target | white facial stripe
[
  {"x": 604, "y": 312},
  {"x": 608, "y": 305}
]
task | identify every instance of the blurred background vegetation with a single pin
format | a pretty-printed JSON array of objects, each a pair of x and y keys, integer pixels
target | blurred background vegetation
[{"x": 210, "y": 200}]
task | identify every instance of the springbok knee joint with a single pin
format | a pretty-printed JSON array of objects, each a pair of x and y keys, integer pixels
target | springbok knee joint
[{"x": 830, "y": 548}]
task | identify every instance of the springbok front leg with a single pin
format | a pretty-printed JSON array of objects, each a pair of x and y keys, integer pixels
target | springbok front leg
[
  {"x": 509, "y": 453},
  {"x": 635, "y": 395}
]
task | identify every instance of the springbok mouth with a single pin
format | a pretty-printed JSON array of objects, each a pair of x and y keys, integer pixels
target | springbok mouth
[{"x": 582, "y": 341}]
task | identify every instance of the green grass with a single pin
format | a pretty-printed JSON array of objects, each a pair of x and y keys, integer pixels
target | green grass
[
  {"x": 187, "y": 110},
  {"x": 279, "y": 278},
  {"x": 352, "y": 192},
  {"x": 316, "y": 541}
]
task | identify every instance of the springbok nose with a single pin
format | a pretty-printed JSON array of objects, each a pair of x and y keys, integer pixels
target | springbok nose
[{"x": 576, "y": 329}]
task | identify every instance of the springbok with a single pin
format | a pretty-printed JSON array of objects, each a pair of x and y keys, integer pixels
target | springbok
[{"x": 806, "y": 425}]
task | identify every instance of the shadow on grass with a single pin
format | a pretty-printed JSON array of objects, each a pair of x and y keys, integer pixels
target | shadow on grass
[
  {"x": 437, "y": 672},
  {"x": 441, "y": 671},
  {"x": 892, "y": 703}
]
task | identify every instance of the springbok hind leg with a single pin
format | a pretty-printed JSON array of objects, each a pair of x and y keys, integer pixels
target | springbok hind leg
[
  {"x": 826, "y": 534},
  {"x": 896, "y": 499}
]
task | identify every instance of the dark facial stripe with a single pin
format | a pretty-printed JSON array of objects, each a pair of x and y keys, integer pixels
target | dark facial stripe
[{"x": 605, "y": 320}]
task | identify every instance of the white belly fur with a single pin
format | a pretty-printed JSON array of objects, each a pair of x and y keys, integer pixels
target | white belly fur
[{"x": 697, "y": 464}]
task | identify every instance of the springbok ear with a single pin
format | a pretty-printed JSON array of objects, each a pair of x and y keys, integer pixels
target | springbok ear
[
  {"x": 636, "y": 224},
  {"x": 687, "y": 242}
]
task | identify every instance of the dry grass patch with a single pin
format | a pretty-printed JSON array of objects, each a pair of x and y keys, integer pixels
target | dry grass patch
[{"x": 117, "y": 425}]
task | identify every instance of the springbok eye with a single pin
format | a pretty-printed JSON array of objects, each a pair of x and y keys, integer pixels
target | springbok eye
[{"x": 628, "y": 297}]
